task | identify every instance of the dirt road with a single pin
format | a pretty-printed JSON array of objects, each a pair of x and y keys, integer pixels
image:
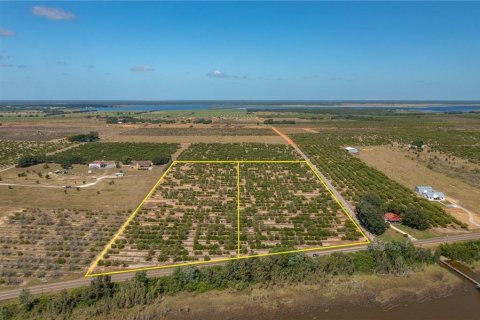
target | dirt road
[{"x": 337, "y": 194}]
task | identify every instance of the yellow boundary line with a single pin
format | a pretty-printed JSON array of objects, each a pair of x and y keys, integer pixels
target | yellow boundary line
[
  {"x": 334, "y": 197},
  {"x": 238, "y": 210},
  {"x": 125, "y": 224}
]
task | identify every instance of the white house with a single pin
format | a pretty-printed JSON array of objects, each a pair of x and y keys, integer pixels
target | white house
[
  {"x": 102, "y": 165},
  {"x": 435, "y": 195},
  {"x": 430, "y": 194},
  {"x": 352, "y": 150},
  {"x": 423, "y": 189}
]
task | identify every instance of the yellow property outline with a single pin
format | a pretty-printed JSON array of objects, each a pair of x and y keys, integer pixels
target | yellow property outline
[{"x": 239, "y": 256}]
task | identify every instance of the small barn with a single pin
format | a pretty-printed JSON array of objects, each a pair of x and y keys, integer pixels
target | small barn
[
  {"x": 423, "y": 189},
  {"x": 102, "y": 164}
]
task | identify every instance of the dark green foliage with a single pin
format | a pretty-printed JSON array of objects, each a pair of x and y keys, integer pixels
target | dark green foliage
[
  {"x": 26, "y": 299},
  {"x": 369, "y": 210},
  {"x": 418, "y": 144},
  {"x": 101, "y": 286},
  {"x": 114, "y": 151},
  {"x": 88, "y": 137},
  {"x": 203, "y": 121},
  {"x": 161, "y": 160},
  {"x": 30, "y": 160},
  {"x": 271, "y": 121},
  {"x": 130, "y": 119},
  {"x": 467, "y": 251},
  {"x": 268, "y": 121},
  {"x": 239, "y": 151},
  {"x": 415, "y": 218},
  {"x": 356, "y": 179},
  {"x": 103, "y": 297}
]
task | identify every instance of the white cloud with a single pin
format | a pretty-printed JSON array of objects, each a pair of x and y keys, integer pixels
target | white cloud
[
  {"x": 220, "y": 74},
  {"x": 6, "y": 33},
  {"x": 52, "y": 13},
  {"x": 4, "y": 57},
  {"x": 4, "y": 65},
  {"x": 142, "y": 68}
]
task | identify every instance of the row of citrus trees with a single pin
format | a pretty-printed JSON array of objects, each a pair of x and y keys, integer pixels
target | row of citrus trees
[{"x": 354, "y": 179}]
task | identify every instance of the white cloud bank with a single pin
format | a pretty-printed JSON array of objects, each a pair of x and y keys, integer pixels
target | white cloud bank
[
  {"x": 52, "y": 13},
  {"x": 6, "y": 33},
  {"x": 142, "y": 68},
  {"x": 220, "y": 74}
]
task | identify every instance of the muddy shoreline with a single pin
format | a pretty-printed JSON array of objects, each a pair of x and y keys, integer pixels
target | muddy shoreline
[{"x": 345, "y": 297}]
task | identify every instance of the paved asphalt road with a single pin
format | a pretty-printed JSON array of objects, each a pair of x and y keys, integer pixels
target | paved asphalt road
[
  {"x": 58, "y": 286},
  {"x": 337, "y": 194}
]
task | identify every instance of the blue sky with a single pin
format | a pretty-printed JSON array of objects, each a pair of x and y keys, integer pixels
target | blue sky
[{"x": 239, "y": 50}]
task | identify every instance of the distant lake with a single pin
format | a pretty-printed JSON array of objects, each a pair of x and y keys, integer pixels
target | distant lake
[
  {"x": 148, "y": 108},
  {"x": 446, "y": 109}
]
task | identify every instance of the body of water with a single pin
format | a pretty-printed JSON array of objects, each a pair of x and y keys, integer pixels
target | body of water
[
  {"x": 462, "y": 304},
  {"x": 148, "y": 108}
]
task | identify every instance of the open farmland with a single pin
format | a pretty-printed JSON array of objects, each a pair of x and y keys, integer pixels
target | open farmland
[
  {"x": 225, "y": 113},
  {"x": 193, "y": 213},
  {"x": 36, "y": 133},
  {"x": 225, "y": 131},
  {"x": 109, "y": 194},
  {"x": 410, "y": 173},
  {"x": 239, "y": 151},
  {"x": 117, "y": 151},
  {"x": 44, "y": 244},
  {"x": 11, "y": 151},
  {"x": 353, "y": 178},
  {"x": 285, "y": 207}
]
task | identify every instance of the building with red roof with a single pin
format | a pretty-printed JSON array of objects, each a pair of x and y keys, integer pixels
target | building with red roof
[{"x": 391, "y": 217}]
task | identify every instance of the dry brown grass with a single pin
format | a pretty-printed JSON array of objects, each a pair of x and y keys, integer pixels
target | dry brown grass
[
  {"x": 395, "y": 164},
  {"x": 125, "y": 193}
]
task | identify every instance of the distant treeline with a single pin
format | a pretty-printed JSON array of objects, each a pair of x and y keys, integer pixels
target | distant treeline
[
  {"x": 271, "y": 121},
  {"x": 104, "y": 297},
  {"x": 88, "y": 137},
  {"x": 158, "y": 153},
  {"x": 130, "y": 119}
]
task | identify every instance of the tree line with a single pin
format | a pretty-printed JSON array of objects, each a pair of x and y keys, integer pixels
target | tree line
[
  {"x": 370, "y": 210},
  {"x": 104, "y": 297}
]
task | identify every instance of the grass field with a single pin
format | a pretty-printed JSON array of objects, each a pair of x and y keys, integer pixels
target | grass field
[
  {"x": 410, "y": 173},
  {"x": 109, "y": 194}
]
